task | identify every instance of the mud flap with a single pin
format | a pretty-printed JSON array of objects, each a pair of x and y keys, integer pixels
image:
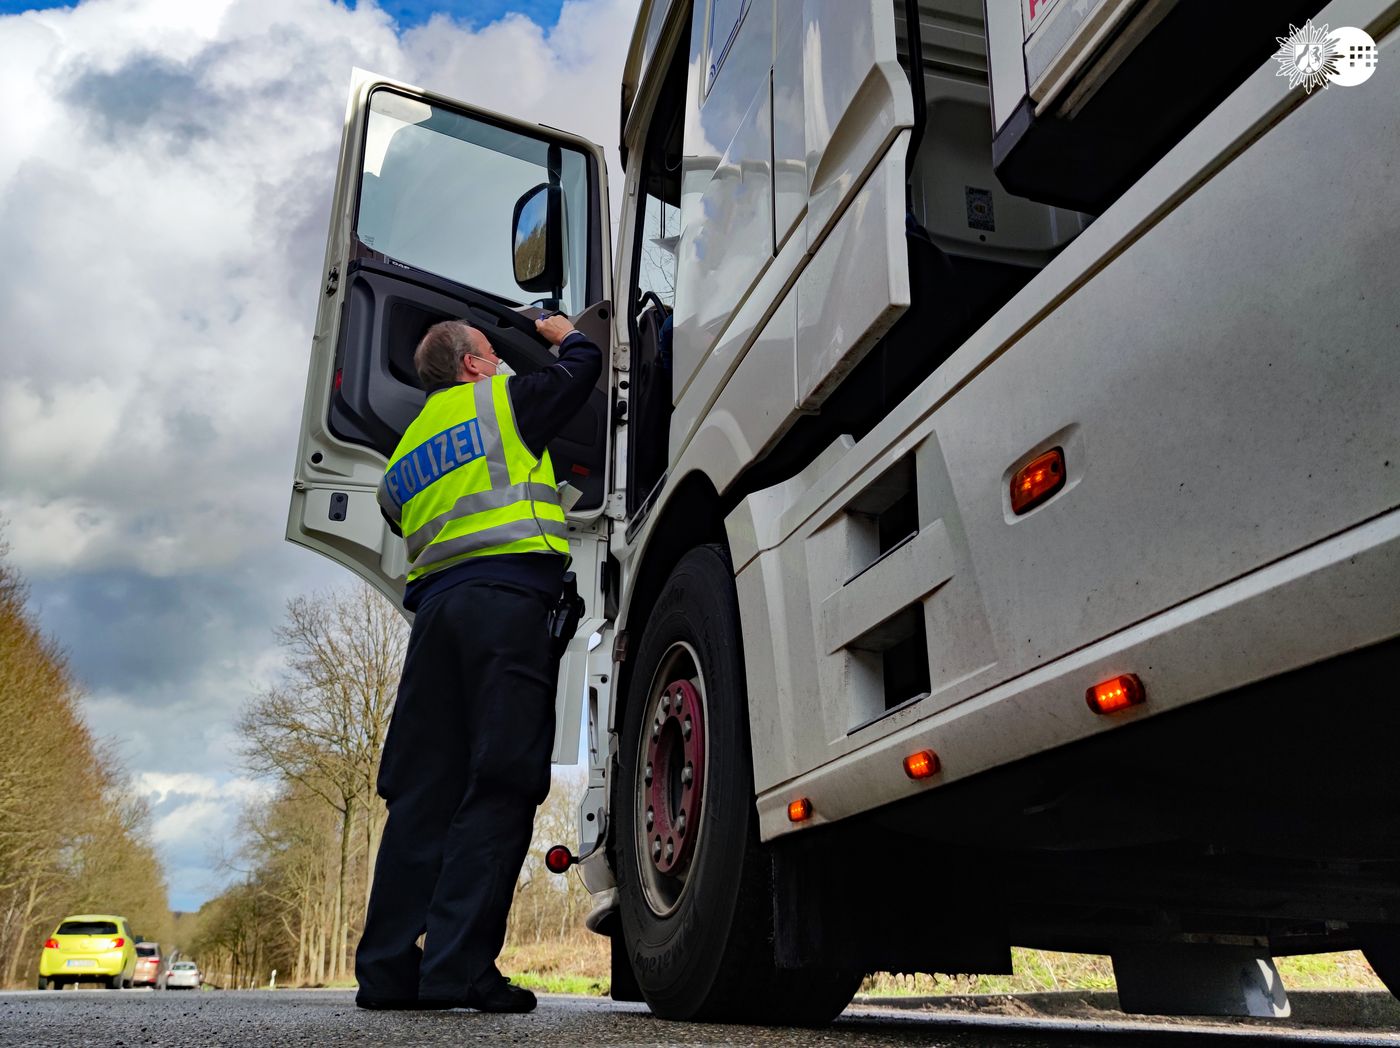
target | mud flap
[{"x": 1199, "y": 979}]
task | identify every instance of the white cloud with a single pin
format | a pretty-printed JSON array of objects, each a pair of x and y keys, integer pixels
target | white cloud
[
  {"x": 167, "y": 184},
  {"x": 157, "y": 786},
  {"x": 195, "y": 825},
  {"x": 165, "y": 188}
]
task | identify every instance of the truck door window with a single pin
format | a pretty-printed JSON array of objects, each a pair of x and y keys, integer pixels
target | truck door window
[
  {"x": 438, "y": 193},
  {"x": 654, "y": 298},
  {"x": 656, "y": 269},
  {"x": 653, "y": 294}
]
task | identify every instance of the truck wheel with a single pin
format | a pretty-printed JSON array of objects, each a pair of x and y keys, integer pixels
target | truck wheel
[
  {"x": 696, "y": 907},
  {"x": 1383, "y": 954}
]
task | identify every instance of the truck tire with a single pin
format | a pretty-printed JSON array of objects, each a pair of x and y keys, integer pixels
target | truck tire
[
  {"x": 1383, "y": 955},
  {"x": 696, "y": 906}
]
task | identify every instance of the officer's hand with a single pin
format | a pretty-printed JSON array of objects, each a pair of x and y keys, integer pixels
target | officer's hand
[{"x": 556, "y": 328}]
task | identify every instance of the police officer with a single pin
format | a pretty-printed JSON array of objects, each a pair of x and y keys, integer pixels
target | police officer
[{"x": 471, "y": 489}]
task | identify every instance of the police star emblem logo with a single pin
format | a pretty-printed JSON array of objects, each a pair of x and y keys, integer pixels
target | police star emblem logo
[
  {"x": 1307, "y": 56},
  {"x": 1312, "y": 56}
]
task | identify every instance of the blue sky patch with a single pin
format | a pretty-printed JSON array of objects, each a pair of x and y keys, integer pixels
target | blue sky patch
[
  {"x": 14, "y": 7},
  {"x": 407, "y": 13}
]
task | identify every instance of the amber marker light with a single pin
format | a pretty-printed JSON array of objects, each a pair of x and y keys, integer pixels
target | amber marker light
[
  {"x": 1116, "y": 694},
  {"x": 1037, "y": 481},
  {"x": 800, "y": 810},
  {"x": 922, "y": 765}
]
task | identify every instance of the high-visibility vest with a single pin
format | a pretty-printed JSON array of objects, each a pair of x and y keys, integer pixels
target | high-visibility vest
[{"x": 462, "y": 483}]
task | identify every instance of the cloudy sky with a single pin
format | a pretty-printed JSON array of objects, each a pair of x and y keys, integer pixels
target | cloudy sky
[{"x": 165, "y": 186}]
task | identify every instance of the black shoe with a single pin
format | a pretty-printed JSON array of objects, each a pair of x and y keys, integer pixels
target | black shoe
[{"x": 500, "y": 997}]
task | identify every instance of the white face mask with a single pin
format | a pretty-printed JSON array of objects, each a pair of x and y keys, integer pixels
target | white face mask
[{"x": 502, "y": 368}]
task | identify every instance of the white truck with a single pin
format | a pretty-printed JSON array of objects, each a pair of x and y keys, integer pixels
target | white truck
[{"x": 989, "y": 514}]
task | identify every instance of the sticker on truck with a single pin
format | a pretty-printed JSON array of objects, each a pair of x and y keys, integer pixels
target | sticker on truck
[{"x": 1033, "y": 12}]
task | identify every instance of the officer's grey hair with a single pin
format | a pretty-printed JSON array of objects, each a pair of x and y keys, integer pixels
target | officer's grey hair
[{"x": 438, "y": 358}]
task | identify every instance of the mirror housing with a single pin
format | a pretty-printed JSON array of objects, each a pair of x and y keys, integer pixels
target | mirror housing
[{"x": 537, "y": 240}]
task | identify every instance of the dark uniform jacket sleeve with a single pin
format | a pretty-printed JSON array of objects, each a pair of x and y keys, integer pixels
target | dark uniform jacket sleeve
[{"x": 546, "y": 400}]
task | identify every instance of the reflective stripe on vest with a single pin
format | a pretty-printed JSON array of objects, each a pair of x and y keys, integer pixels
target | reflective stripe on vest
[{"x": 462, "y": 483}]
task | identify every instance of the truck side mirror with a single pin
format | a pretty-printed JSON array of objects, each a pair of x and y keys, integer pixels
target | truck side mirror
[{"x": 538, "y": 240}]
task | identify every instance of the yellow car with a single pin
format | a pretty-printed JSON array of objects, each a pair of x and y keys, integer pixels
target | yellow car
[{"x": 89, "y": 947}]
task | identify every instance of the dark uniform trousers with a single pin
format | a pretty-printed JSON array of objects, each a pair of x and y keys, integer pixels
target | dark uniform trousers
[{"x": 466, "y": 762}]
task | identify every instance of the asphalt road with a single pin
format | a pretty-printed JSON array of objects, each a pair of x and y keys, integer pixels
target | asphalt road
[{"x": 312, "y": 1017}]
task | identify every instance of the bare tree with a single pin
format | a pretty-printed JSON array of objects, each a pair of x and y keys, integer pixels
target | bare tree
[
  {"x": 290, "y": 843},
  {"x": 69, "y": 833},
  {"x": 322, "y": 727}
]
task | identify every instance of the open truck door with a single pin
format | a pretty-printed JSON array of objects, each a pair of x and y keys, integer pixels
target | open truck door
[{"x": 431, "y": 220}]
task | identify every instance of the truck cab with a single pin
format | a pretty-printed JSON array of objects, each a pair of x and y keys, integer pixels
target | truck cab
[{"x": 991, "y": 493}]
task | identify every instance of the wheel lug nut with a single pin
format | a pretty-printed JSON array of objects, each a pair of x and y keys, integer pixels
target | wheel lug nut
[
  {"x": 680, "y": 824},
  {"x": 651, "y": 817},
  {"x": 647, "y": 774},
  {"x": 670, "y": 849},
  {"x": 685, "y": 728},
  {"x": 687, "y": 774},
  {"x": 656, "y": 848},
  {"x": 655, "y": 731}
]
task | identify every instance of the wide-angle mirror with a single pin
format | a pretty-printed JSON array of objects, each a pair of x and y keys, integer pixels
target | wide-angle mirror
[{"x": 537, "y": 241}]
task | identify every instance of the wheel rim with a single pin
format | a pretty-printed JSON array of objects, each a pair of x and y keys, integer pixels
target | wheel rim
[{"x": 669, "y": 790}]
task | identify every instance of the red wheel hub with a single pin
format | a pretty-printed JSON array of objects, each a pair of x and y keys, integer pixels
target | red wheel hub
[{"x": 673, "y": 779}]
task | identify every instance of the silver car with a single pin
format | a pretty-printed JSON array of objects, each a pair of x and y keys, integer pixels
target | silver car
[{"x": 183, "y": 975}]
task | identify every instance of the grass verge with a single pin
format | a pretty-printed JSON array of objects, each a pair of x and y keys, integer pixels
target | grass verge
[
  {"x": 562, "y": 983},
  {"x": 1041, "y": 971},
  {"x": 576, "y": 965}
]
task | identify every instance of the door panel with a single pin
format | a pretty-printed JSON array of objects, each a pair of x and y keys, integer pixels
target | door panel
[
  {"x": 590, "y": 554},
  {"x": 421, "y": 231},
  {"x": 424, "y": 201},
  {"x": 855, "y": 99},
  {"x": 726, "y": 234}
]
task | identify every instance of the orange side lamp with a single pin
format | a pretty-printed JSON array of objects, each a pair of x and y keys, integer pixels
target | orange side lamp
[
  {"x": 1037, "y": 480},
  {"x": 922, "y": 765},
  {"x": 1117, "y": 694}
]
